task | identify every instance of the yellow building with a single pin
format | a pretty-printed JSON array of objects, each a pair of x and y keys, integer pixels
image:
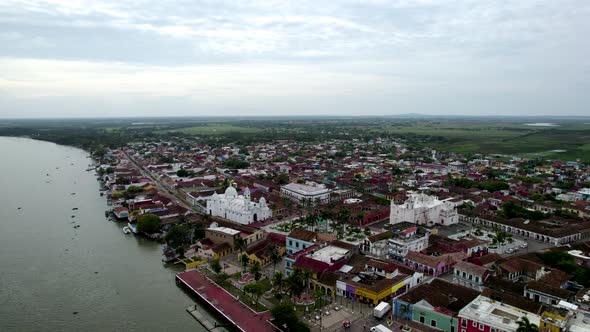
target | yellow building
[{"x": 553, "y": 320}]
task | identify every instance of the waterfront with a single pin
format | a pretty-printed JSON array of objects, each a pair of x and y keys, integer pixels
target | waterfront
[{"x": 59, "y": 278}]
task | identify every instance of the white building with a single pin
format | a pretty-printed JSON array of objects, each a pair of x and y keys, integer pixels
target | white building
[
  {"x": 238, "y": 208},
  {"x": 426, "y": 210},
  {"x": 485, "y": 314},
  {"x": 407, "y": 240},
  {"x": 310, "y": 192}
]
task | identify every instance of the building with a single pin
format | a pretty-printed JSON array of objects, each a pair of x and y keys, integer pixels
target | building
[
  {"x": 219, "y": 234},
  {"x": 309, "y": 192},
  {"x": 486, "y": 315},
  {"x": 423, "y": 209},
  {"x": 433, "y": 265},
  {"x": 238, "y": 208},
  {"x": 469, "y": 275},
  {"x": 435, "y": 304},
  {"x": 299, "y": 239},
  {"x": 407, "y": 239}
]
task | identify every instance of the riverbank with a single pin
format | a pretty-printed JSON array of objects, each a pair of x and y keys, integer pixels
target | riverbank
[{"x": 60, "y": 278}]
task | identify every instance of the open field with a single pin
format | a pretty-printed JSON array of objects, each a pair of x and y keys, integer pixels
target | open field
[
  {"x": 213, "y": 129},
  {"x": 568, "y": 139}
]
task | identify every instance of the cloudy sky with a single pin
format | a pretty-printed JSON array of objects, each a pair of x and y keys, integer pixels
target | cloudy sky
[{"x": 84, "y": 58}]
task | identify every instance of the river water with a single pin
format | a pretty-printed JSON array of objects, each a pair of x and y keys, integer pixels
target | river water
[{"x": 54, "y": 277}]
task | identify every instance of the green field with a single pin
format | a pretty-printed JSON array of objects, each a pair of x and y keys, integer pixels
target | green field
[{"x": 213, "y": 129}]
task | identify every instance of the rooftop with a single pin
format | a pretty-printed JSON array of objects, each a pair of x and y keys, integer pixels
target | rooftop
[
  {"x": 305, "y": 189},
  {"x": 328, "y": 254},
  {"x": 226, "y": 230},
  {"x": 496, "y": 314}
]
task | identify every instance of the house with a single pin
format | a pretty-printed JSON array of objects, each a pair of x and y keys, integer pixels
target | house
[
  {"x": 300, "y": 239},
  {"x": 470, "y": 275},
  {"x": 121, "y": 212},
  {"x": 259, "y": 252},
  {"x": 406, "y": 239},
  {"x": 376, "y": 244},
  {"x": 433, "y": 265},
  {"x": 435, "y": 304},
  {"x": 518, "y": 268}
]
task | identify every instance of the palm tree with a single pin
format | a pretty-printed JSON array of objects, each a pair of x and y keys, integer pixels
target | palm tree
[
  {"x": 275, "y": 258},
  {"x": 278, "y": 281},
  {"x": 240, "y": 244},
  {"x": 404, "y": 311},
  {"x": 524, "y": 325},
  {"x": 255, "y": 270},
  {"x": 244, "y": 259},
  {"x": 306, "y": 277}
]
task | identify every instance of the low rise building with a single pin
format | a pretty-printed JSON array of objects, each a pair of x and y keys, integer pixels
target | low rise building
[
  {"x": 486, "y": 315},
  {"x": 309, "y": 192},
  {"x": 407, "y": 239}
]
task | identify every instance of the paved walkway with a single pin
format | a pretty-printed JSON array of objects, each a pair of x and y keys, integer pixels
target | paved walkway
[{"x": 218, "y": 298}]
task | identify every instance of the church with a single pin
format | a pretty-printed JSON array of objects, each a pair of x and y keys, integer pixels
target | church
[
  {"x": 238, "y": 208},
  {"x": 425, "y": 210}
]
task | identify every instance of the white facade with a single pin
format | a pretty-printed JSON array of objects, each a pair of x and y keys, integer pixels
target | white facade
[
  {"x": 426, "y": 210},
  {"x": 401, "y": 245},
  {"x": 311, "y": 191},
  {"x": 238, "y": 208}
]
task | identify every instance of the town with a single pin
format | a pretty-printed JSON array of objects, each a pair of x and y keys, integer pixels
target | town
[{"x": 361, "y": 234}]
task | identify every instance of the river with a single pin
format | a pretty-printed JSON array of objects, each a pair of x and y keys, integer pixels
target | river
[{"x": 55, "y": 277}]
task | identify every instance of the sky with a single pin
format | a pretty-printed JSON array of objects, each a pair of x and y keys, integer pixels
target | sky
[{"x": 110, "y": 58}]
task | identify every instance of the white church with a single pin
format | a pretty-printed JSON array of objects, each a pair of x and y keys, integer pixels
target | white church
[
  {"x": 238, "y": 208},
  {"x": 425, "y": 210}
]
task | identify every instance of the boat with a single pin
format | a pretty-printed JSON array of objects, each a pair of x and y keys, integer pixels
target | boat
[{"x": 126, "y": 230}]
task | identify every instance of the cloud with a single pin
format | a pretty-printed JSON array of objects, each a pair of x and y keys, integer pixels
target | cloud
[{"x": 401, "y": 53}]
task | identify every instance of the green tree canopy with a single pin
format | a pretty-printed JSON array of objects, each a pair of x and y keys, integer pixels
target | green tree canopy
[
  {"x": 148, "y": 223},
  {"x": 178, "y": 236},
  {"x": 285, "y": 315}
]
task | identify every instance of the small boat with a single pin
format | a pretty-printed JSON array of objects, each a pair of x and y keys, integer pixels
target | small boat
[{"x": 126, "y": 230}]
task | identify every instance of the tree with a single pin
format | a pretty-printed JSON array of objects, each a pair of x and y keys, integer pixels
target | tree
[
  {"x": 215, "y": 266},
  {"x": 295, "y": 283},
  {"x": 182, "y": 173},
  {"x": 285, "y": 315},
  {"x": 255, "y": 289},
  {"x": 319, "y": 298},
  {"x": 240, "y": 244},
  {"x": 178, "y": 236},
  {"x": 278, "y": 281},
  {"x": 244, "y": 259},
  {"x": 148, "y": 223},
  {"x": 255, "y": 269},
  {"x": 275, "y": 258},
  {"x": 524, "y": 325}
]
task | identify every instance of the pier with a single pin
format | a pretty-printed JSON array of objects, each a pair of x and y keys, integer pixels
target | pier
[
  {"x": 213, "y": 327},
  {"x": 235, "y": 312}
]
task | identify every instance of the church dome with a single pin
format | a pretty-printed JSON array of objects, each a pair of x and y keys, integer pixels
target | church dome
[{"x": 231, "y": 192}]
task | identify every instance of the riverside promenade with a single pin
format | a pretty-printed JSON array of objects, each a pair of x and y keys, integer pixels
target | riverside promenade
[{"x": 234, "y": 311}]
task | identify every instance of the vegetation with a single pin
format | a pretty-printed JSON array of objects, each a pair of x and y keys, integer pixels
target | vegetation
[
  {"x": 148, "y": 223},
  {"x": 255, "y": 290},
  {"x": 568, "y": 141},
  {"x": 524, "y": 325},
  {"x": 512, "y": 210},
  {"x": 215, "y": 266},
  {"x": 489, "y": 185},
  {"x": 178, "y": 236},
  {"x": 565, "y": 262},
  {"x": 285, "y": 316}
]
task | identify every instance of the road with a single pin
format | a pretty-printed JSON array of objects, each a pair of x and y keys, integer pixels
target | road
[{"x": 164, "y": 189}]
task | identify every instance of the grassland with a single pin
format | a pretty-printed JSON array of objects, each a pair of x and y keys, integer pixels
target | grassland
[{"x": 213, "y": 129}]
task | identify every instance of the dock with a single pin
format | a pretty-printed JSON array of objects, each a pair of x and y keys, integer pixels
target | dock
[
  {"x": 194, "y": 311},
  {"x": 225, "y": 304}
]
